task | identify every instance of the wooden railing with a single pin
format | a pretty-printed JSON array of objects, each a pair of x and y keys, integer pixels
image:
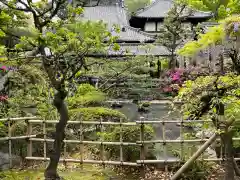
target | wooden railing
[{"x": 30, "y": 138}]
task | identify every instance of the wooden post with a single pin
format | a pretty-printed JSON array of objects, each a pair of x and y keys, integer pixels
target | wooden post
[
  {"x": 121, "y": 145},
  {"x": 45, "y": 142},
  {"x": 194, "y": 157},
  {"x": 142, "y": 149},
  {"x": 227, "y": 142},
  {"x": 164, "y": 147},
  {"x": 101, "y": 145},
  {"x": 181, "y": 61},
  {"x": 29, "y": 142},
  {"x": 198, "y": 153},
  {"x": 81, "y": 144},
  {"x": 182, "y": 156},
  {"x": 65, "y": 153},
  {"x": 10, "y": 143},
  {"x": 29, "y": 133}
]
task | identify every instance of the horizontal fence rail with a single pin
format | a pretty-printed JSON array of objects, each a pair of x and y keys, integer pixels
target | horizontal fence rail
[{"x": 141, "y": 143}]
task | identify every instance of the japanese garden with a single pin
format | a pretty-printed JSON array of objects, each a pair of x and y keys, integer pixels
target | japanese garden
[{"x": 114, "y": 89}]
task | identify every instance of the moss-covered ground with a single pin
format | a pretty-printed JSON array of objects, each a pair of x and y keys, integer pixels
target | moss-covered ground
[{"x": 88, "y": 172}]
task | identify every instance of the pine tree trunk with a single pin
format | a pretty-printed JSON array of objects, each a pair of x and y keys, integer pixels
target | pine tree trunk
[
  {"x": 51, "y": 171},
  {"x": 172, "y": 62}
]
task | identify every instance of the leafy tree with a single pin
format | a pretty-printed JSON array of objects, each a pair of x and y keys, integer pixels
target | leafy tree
[
  {"x": 69, "y": 41},
  {"x": 134, "y": 5},
  {"x": 11, "y": 22},
  {"x": 211, "y": 96},
  {"x": 173, "y": 33},
  {"x": 220, "y": 8},
  {"x": 214, "y": 91},
  {"x": 223, "y": 34}
]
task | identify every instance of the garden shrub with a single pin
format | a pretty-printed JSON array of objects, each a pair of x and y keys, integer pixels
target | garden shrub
[
  {"x": 129, "y": 134},
  {"x": 86, "y": 95},
  {"x": 83, "y": 89},
  {"x": 93, "y": 114},
  {"x": 174, "y": 79},
  {"x": 141, "y": 70},
  {"x": 96, "y": 113},
  {"x": 164, "y": 64}
]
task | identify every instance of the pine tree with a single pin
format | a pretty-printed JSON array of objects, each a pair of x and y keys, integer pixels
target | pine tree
[{"x": 173, "y": 32}]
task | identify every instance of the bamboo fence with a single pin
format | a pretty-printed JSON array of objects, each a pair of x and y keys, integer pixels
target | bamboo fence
[{"x": 30, "y": 138}]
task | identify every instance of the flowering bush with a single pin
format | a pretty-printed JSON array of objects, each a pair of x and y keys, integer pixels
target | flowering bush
[
  {"x": 5, "y": 68},
  {"x": 3, "y": 98},
  {"x": 173, "y": 79}
]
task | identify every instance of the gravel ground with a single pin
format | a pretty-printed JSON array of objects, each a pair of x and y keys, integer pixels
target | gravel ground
[{"x": 216, "y": 174}]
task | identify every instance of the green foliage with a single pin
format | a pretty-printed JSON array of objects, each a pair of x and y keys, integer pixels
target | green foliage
[
  {"x": 27, "y": 87},
  {"x": 173, "y": 31},
  {"x": 202, "y": 97},
  {"x": 134, "y": 5},
  {"x": 220, "y": 8},
  {"x": 164, "y": 64},
  {"x": 194, "y": 91},
  {"x": 3, "y": 130},
  {"x": 89, "y": 172},
  {"x": 86, "y": 95},
  {"x": 68, "y": 38},
  {"x": 129, "y": 134},
  {"x": 96, "y": 113},
  {"x": 215, "y": 35}
]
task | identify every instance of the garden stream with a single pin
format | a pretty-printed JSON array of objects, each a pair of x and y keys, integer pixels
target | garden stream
[{"x": 158, "y": 110}]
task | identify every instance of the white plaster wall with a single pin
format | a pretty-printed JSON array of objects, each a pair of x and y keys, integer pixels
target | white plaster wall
[
  {"x": 159, "y": 26},
  {"x": 150, "y": 26}
]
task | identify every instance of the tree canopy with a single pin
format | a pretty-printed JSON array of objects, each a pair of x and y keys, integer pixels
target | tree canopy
[
  {"x": 61, "y": 39},
  {"x": 173, "y": 33},
  {"x": 220, "y": 8},
  {"x": 134, "y": 5}
]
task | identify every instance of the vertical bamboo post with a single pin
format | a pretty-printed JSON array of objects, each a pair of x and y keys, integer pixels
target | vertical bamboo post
[
  {"x": 182, "y": 156},
  {"x": 121, "y": 144},
  {"x": 202, "y": 137},
  {"x": 102, "y": 146},
  {"x": 142, "y": 148},
  {"x": 44, "y": 142},
  {"x": 29, "y": 132},
  {"x": 9, "y": 143},
  {"x": 81, "y": 144},
  {"x": 65, "y": 153},
  {"x": 164, "y": 147}
]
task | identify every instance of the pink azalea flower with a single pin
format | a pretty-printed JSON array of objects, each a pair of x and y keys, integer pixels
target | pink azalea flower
[
  {"x": 3, "y": 98},
  {"x": 4, "y": 68},
  {"x": 167, "y": 89},
  {"x": 175, "y": 77}
]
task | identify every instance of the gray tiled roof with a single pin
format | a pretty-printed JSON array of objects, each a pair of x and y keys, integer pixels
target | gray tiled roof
[
  {"x": 109, "y": 14},
  {"x": 116, "y": 15},
  {"x": 160, "y": 8}
]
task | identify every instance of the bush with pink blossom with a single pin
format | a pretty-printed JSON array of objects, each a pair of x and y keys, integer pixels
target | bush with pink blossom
[{"x": 173, "y": 79}]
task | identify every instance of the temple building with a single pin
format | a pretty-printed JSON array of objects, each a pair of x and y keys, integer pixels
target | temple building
[
  {"x": 131, "y": 40},
  {"x": 150, "y": 19}
]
